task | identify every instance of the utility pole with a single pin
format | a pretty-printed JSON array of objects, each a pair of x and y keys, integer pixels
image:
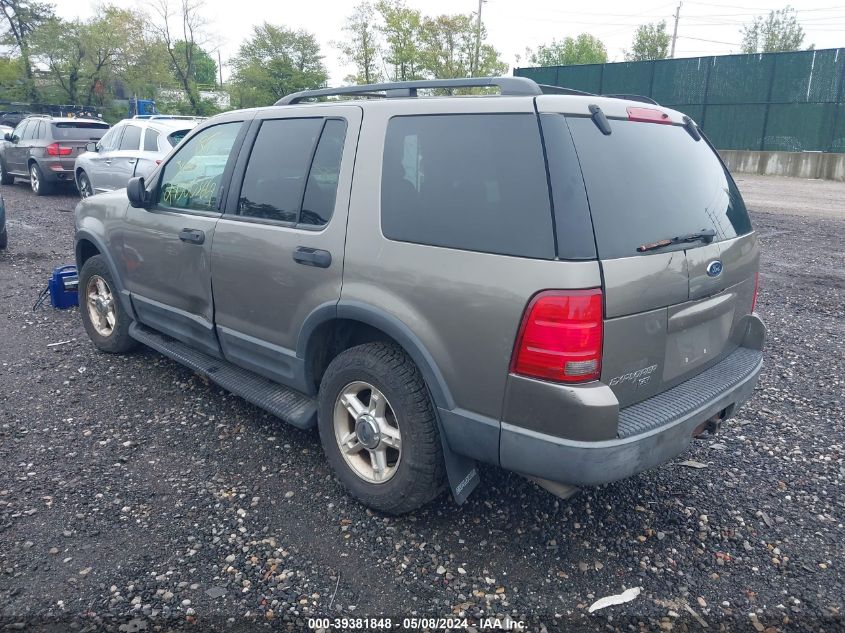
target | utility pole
[
  {"x": 675, "y": 32},
  {"x": 220, "y": 67},
  {"x": 477, "y": 39}
]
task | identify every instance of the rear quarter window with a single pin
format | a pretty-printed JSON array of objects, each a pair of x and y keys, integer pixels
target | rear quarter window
[
  {"x": 646, "y": 182},
  {"x": 473, "y": 182}
]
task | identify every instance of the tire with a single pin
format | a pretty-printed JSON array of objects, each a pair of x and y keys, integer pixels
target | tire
[
  {"x": 412, "y": 476},
  {"x": 5, "y": 177},
  {"x": 83, "y": 185},
  {"x": 111, "y": 336},
  {"x": 39, "y": 186},
  {"x": 4, "y": 238}
]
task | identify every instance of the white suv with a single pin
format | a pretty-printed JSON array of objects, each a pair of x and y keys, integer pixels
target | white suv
[{"x": 133, "y": 147}]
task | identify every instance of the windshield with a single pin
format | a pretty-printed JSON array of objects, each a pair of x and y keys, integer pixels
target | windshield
[
  {"x": 79, "y": 131},
  {"x": 647, "y": 182}
]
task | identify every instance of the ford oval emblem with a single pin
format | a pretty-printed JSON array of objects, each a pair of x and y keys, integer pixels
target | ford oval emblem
[{"x": 714, "y": 268}]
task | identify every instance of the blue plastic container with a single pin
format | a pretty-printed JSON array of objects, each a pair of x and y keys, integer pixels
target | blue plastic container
[{"x": 63, "y": 287}]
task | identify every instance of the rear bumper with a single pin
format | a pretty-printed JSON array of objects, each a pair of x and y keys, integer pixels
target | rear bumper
[
  {"x": 669, "y": 420},
  {"x": 56, "y": 169}
]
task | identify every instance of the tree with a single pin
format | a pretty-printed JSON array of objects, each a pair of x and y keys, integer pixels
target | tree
[
  {"x": 401, "y": 30},
  {"x": 204, "y": 68},
  {"x": 274, "y": 62},
  {"x": 584, "y": 49},
  {"x": 60, "y": 46},
  {"x": 182, "y": 42},
  {"x": 112, "y": 43},
  {"x": 651, "y": 41},
  {"x": 779, "y": 31},
  {"x": 362, "y": 46},
  {"x": 21, "y": 18},
  {"x": 448, "y": 49}
]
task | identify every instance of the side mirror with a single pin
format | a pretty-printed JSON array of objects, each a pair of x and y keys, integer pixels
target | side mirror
[
  {"x": 7, "y": 136},
  {"x": 137, "y": 193},
  {"x": 91, "y": 147}
]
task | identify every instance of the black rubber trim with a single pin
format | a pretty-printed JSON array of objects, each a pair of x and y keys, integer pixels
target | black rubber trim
[
  {"x": 674, "y": 403},
  {"x": 291, "y": 406}
]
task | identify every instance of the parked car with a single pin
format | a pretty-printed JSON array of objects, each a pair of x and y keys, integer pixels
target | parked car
[
  {"x": 133, "y": 147},
  {"x": 562, "y": 285},
  {"x": 4, "y": 233},
  {"x": 12, "y": 119},
  {"x": 43, "y": 148}
]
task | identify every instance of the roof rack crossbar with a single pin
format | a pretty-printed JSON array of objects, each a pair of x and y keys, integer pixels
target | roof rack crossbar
[{"x": 508, "y": 86}]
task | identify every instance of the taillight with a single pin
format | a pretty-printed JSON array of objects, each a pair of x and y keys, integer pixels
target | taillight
[
  {"x": 560, "y": 336},
  {"x": 54, "y": 149},
  {"x": 648, "y": 115},
  {"x": 756, "y": 288}
]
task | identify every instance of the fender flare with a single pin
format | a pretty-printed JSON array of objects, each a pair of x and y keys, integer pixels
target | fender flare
[
  {"x": 461, "y": 471},
  {"x": 390, "y": 325},
  {"x": 83, "y": 234}
]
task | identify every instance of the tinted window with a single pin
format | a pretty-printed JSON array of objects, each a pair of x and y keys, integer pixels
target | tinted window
[
  {"x": 177, "y": 136},
  {"x": 29, "y": 130},
  {"x": 150, "y": 140},
  {"x": 278, "y": 164},
  {"x": 321, "y": 188},
  {"x": 131, "y": 138},
  {"x": 191, "y": 178},
  {"x": 79, "y": 131},
  {"x": 40, "y": 130},
  {"x": 648, "y": 182},
  {"x": 475, "y": 182}
]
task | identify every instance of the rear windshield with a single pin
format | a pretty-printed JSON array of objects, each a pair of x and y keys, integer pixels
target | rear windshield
[
  {"x": 79, "y": 131},
  {"x": 177, "y": 136},
  {"x": 647, "y": 182}
]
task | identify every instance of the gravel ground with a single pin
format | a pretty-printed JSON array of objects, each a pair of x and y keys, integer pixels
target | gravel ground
[{"x": 134, "y": 495}]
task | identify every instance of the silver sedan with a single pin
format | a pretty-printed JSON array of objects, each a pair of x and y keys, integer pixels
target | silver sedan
[{"x": 133, "y": 147}]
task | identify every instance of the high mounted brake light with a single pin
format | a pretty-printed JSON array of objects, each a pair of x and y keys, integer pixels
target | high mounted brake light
[
  {"x": 648, "y": 115},
  {"x": 560, "y": 337},
  {"x": 54, "y": 149}
]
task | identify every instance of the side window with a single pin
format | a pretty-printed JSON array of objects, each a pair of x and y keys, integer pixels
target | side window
[
  {"x": 40, "y": 130},
  {"x": 20, "y": 129},
  {"x": 473, "y": 182},
  {"x": 321, "y": 188},
  {"x": 150, "y": 140},
  {"x": 131, "y": 138},
  {"x": 110, "y": 139},
  {"x": 29, "y": 131},
  {"x": 191, "y": 178},
  {"x": 276, "y": 173}
]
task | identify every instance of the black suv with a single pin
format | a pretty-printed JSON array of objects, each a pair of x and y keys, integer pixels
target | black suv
[{"x": 43, "y": 149}]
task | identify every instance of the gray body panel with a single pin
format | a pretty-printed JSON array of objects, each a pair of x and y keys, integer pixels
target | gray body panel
[{"x": 262, "y": 296}]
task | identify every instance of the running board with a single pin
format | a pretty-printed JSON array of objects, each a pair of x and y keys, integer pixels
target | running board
[{"x": 288, "y": 404}]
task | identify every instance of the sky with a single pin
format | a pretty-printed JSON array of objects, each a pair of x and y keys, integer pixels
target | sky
[{"x": 705, "y": 28}]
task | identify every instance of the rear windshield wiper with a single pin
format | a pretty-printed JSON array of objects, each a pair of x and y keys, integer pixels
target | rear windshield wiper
[{"x": 704, "y": 235}]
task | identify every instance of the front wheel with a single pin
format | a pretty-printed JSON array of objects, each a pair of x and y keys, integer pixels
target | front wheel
[
  {"x": 103, "y": 316},
  {"x": 83, "y": 184},
  {"x": 40, "y": 187},
  {"x": 378, "y": 428},
  {"x": 5, "y": 177}
]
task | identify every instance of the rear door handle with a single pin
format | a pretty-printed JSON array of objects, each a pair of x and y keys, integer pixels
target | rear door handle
[
  {"x": 192, "y": 236},
  {"x": 312, "y": 257}
]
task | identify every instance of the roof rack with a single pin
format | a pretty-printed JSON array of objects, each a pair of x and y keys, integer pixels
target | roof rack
[
  {"x": 181, "y": 117},
  {"x": 508, "y": 86},
  {"x": 639, "y": 98}
]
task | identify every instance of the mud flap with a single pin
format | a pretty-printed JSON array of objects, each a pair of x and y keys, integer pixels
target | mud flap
[{"x": 461, "y": 471}]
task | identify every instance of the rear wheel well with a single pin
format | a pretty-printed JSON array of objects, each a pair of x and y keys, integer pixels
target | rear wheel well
[
  {"x": 85, "y": 250},
  {"x": 333, "y": 337}
]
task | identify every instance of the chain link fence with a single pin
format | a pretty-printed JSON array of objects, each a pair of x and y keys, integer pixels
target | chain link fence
[{"x": 792, "y": 102}]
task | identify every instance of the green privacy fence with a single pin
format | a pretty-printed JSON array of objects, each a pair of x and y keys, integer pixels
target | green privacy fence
[{"x": 773, "y": 101}]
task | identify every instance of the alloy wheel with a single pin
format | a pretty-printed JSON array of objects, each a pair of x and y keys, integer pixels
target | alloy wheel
[
  {"x": 367, "y": 432},
  {"x": 100, "y": 304},
  {"x": 33, "y": 178}
]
